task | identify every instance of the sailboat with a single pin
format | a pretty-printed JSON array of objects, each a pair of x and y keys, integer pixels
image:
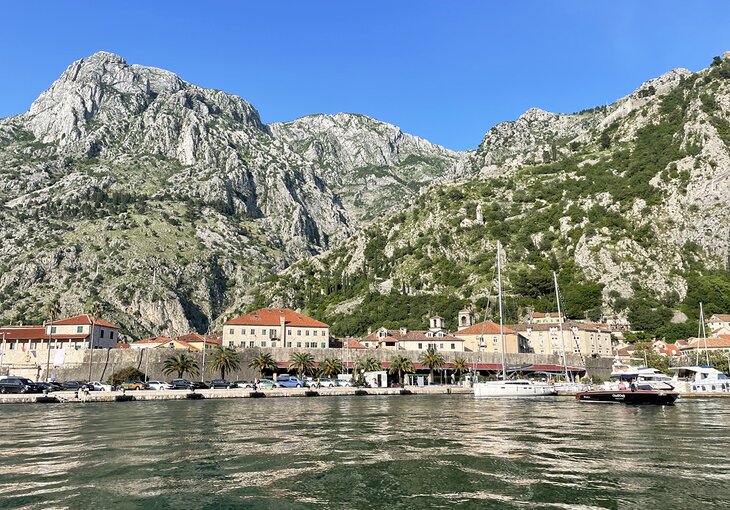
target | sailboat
[
  {"x": 701, "y": 378},
  {"x": 509, "y": 387}
]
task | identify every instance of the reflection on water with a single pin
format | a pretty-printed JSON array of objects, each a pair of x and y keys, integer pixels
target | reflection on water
[{"x": 365, "y": 452}]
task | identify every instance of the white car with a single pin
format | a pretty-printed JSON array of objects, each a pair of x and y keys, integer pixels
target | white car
[
  {"x": 99, "y": 386},
  {"x": 159, "y": 385}
]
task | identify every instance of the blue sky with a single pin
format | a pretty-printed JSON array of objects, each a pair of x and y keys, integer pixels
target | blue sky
[{"x": 443, "y": 70}]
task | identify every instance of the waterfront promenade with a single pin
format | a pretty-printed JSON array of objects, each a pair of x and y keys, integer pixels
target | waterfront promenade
[{"x": 157, "y": 395}]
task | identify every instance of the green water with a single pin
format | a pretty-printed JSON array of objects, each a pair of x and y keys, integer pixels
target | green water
[{"x": 409, "y": 452}]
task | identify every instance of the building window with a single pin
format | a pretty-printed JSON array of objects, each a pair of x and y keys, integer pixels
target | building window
[
  {"x": 306, "y": 333},
  {"x": 273, "y": 343},
  {"x": 79, "y": 329},
  {"x": 101, "y": 335},
  {"x": 288, "y": 344},
  {"x": 53, "y": 330},
  {"x": 111, "y": 335},
  {"x": 453, "y": 347},
  {"x": 323, "y": 345},
  {"x": 494, "y": 340},
  {"x": 441, "y": 346},
  {"x": 263, "y": 343},
  {"x": 243, "y": 344},
  {"x": 299, "y": 344},
  {"x": 251, "y": 343},
  {"x": 230, "y": 344},
  {"x": 263, "y": 332},
  {"x": 272, "y": 332},
  {"x": 420, "y": 346},
  {"x": 288, "y": 331},
  {"x": 323, "y": 333},
  {"x": 299, "y": 332},
  {"x": 230, "y": 331},
  {"x": 253, "y": 332}
]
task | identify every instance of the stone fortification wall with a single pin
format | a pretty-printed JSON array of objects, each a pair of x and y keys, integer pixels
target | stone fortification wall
[{"x": 106, "y": 361}]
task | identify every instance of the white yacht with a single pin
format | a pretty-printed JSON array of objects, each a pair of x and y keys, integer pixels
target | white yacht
[
  {"x": 509, "y": 387},
  {"x": 623, "y": 371},
  {"x": 701, "y": 379}
]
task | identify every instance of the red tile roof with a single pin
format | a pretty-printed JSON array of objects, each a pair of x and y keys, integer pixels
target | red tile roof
[
  {"x": 486, "y": 328},
  {"x": 23, "y": 333},
  {"x": 154, "y": 340},
  {"x": 394, "y": 335},
  {"x": 722, "y": 317},
  {"x": 12, "y": 333},
  {"x": 83, "y": 320},
  {"x": 351, "y": 343},
  {"x": 719, "y": 342},
  {"x": 272, "y": 317},
  {"x": 198, "y": 338}
]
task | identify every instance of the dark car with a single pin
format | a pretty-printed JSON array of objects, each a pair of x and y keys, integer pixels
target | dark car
[
  {"x": 19, "y": 385},
  {"x": 200, "y": 385},
  {"x": 221, "y": 384},
  {"x": 73, "y": 385},
  {"x": 50, "y": 386},
  {"x": 181, "y": 384}
]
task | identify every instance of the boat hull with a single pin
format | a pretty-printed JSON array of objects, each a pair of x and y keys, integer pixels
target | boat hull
[
  {"x": 498, "y": 389},
  {"x": 638, "y": 397}
]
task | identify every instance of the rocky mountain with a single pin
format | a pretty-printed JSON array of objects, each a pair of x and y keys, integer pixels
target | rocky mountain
[
  {"x": 370, "y": 164},
  {"x": 129, "y": 191},
  {"x": 628, "y": 201}
]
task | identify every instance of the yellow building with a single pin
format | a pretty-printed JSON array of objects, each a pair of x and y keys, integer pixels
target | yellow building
[
  {"x": 586, "y": 338},
  {"x": 485, "y": 337},
  {"x": 276, "y": 327}
]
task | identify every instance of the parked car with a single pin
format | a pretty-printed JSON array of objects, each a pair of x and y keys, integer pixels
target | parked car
[
  {"x": 221, "y": 384},
  {"x": 343, "y": 383},
  {"x": 200, "y": 385},
  {"x": 181, "y": 384},
  {"x": 49, "y": 386},
  {"x": 133, "y": 385},
  {"x": 19, "y": 385},
  {"x": 73, "y": 385},
  {"x": 242, "y": 384},
  {"x": 159, "y": 385},
  {"x": 326, "y": 382},
  {"x": 290, "y": 381},
  {"x": 99, "y": 386},
  {"x": 267, "y": 384}
]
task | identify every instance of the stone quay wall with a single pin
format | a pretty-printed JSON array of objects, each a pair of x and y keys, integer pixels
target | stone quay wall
[{"x": 104, "y": 362}]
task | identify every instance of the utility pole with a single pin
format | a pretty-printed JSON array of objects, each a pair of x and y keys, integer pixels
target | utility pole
[{"x": 48, "y": 356}]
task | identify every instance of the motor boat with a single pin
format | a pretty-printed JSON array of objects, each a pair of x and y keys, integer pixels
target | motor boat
[
  {"x": 700, "y": 379},
  {"x": 624, "y": 372},
  {"x": 637, "y": 393}
]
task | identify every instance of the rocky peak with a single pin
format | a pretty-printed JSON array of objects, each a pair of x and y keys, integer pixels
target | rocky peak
[
  {"x": 97, "y": 99},
  {"x": 371, "y": 164}
]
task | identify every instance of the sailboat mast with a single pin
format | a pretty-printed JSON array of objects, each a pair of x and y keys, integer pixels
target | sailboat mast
[
  {"x": 560, "y": 321},
  {"x": 704, "y": 334},
  {"x": 501, "y": 320}
]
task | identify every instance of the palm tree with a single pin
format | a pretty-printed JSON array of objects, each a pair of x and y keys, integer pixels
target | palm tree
[
  {"x": 401, "y": 365},
  {"x": 366, "y": 363},
  {"x": 225, "y": 359},
  {"x": 460, "y": 366},
  {"x": 181, "y": 364},
  {"x": 432, "y": 359},
  {"x": 331, "y": 366},
  {"x": 263, "y": 362},
  {"x": 302, "y": 362}
]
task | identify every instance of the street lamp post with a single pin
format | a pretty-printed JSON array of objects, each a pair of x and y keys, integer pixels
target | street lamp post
[{"x": 48, "y": 354}]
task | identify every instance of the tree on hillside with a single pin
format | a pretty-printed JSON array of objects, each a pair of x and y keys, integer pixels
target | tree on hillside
[
  {"x": 263, "y": 362},
  {"x": 225, "y": 359},
  {"x": 433, "y": 360},
  {"x": 401, "y": 365},
  {"x": 302, "y": 363}
]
